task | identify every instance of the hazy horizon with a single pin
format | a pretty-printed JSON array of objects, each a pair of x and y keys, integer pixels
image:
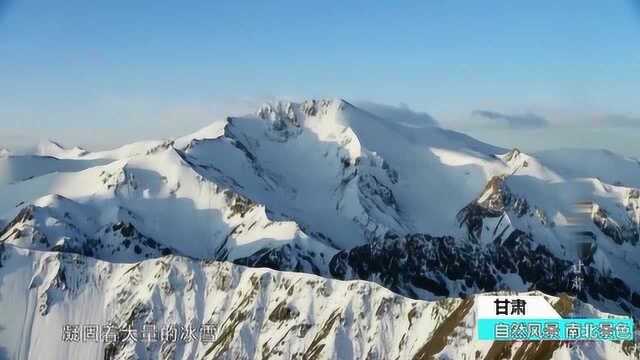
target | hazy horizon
[{"x": 102, "y": 75}]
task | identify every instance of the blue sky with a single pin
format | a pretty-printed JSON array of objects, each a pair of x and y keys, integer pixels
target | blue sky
[{"x": 103, "y": 73}]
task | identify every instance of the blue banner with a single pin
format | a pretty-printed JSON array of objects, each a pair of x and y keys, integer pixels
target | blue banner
[{"x": 569, "y": 329}]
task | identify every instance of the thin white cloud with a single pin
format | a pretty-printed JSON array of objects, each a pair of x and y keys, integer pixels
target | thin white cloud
[
  {"x": 517, "y": 121},
  {"x": 617, "y": 121},
  {"x": 401, "y": 113}
]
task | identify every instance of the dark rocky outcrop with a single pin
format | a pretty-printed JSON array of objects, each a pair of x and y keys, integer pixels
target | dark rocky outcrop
[{"x": 445, "y": 268}]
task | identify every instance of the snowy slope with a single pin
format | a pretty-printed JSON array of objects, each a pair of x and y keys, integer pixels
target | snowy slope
[
  {"x": 212, "y": 131},
  {"x": 325, "y": 187},
  {"x": 326, "y": 163},
  {"x": 56, "y": 150},
  {"x": 603, "y": 164},
  {"x": 315, "y": 183},
  {"x": 257, "y": 313},
  {"x": 162, "y": 199},
  {"x": 17, "y": 168}
]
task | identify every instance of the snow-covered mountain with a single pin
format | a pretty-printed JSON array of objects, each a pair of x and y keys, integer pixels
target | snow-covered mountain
[
  {"x": 16, "y": 168},
  {"x": 54, "y": 149},
  {"x": 255, "y": 313},
  {"x": 324, "y": 188}
]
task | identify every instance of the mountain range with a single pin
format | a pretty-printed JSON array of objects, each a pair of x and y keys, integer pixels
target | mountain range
[{"x": 313, "y": 230}]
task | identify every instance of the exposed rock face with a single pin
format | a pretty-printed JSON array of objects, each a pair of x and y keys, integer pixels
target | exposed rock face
[
  {"x": 254, "y": 313},
  {"x": 423, "y": 266},
  {"x": 284, "y": 119},
  {"x": 290, "y": 257},
  {"x": 28, "y": 229},
  {"x": 624, "y": 230},
  {"x": 496, "y": 200},
  {"x": 440, "y": 266},
  {"x": 257, "y": 313},
  {"x": 60, "y": 224},
  {"x": 46, "y": 228},
  {"x": 318, "y": 187}
]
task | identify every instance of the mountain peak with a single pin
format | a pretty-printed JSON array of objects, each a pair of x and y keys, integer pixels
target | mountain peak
[
  {"x": 55, "y": 149},
  {"x": 287, "y": 109},
  {"x": 369, "y": 194}
]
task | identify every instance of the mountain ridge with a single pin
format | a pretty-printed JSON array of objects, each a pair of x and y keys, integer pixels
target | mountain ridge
[{"x": 322, "y": 187}]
